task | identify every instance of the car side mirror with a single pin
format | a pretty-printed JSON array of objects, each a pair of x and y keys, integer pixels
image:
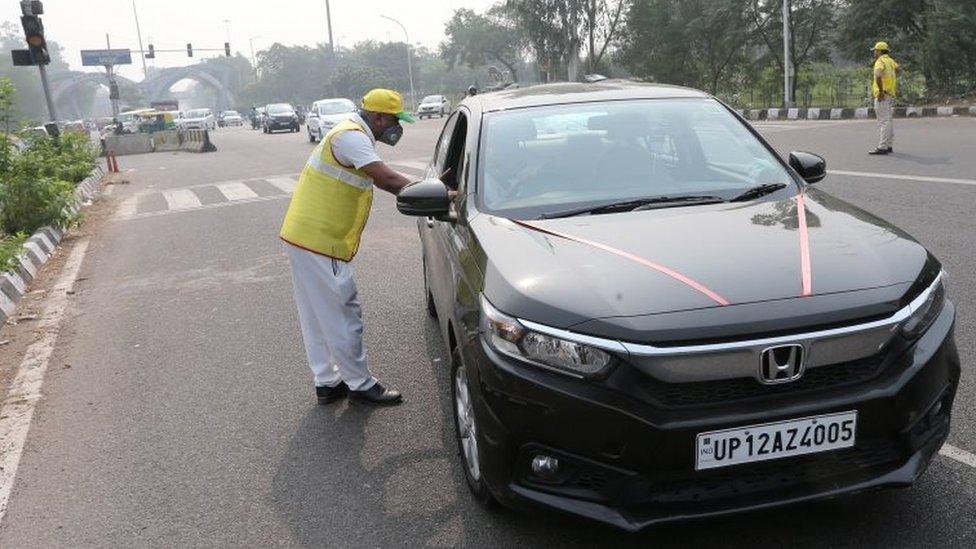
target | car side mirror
[
  {"x": 427, "y": 198},
  {"x": 812, "y": 168}
]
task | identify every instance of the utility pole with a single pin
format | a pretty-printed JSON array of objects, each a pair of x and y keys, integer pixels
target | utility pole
[
  {"x": 788, "y": 72},
  {"x": 413, "y": 103},
  {"x": 328, "y": 20},
  {"x": 135, "y": 14},
  {"x": 226, "y": 26},
  {"x": 113, "y": 86}
]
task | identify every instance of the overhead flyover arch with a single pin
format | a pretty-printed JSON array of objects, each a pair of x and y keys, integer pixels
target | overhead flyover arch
[{"x": 217, "y": 78}]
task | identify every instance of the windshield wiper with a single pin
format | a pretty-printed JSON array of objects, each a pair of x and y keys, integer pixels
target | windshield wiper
[
  {"x": 634, "y": 205},
  {"x": 756, "y": 192}
]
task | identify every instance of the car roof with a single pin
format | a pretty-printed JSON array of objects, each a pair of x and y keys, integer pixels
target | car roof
[{"x": 573, "y": 92}]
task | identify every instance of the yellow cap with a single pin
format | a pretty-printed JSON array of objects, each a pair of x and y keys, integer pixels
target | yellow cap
[
  {"x": 386, "y": 101},
  {"x": 882, "y": 46}
]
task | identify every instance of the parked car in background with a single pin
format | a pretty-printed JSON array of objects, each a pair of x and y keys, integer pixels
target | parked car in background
[
  {"x": 433, "y": 104},
  {"x": 198, "y": 119},
  {"x": 326, "y": 113},
  {"x": 281, "y": 116},
  {"x": 230, "y": 118},
  {"x": 704, "y": 331}
]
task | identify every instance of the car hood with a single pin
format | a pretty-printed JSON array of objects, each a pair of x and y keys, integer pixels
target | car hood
[{"x": 566, "y": 272}]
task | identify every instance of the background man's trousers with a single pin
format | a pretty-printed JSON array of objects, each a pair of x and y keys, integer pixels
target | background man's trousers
[
  {"x": 331, "y": 319},
  {"x": 884, "y": 109}
]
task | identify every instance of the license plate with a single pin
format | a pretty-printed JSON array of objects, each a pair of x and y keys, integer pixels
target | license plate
[{"x": 782, "y": 439}]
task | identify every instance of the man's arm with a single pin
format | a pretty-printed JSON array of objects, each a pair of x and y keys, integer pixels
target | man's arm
[{"x": 385, "y": 177}]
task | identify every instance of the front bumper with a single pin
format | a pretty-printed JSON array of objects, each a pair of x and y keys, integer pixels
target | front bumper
[
  {"x": 629, "y": 461},
  {"x": 282, "y": 124}
]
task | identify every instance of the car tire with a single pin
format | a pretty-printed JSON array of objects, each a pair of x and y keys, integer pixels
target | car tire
[
  {"x": 475, "y": 480},
  {"x": 311, "y": 137}
]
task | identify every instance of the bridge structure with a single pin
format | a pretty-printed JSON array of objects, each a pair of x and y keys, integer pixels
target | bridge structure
[{"x": 71, "y": 90}]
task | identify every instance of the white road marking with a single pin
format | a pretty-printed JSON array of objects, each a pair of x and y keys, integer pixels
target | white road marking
[
  {"x": 904, "y": 177},
  {"x": 206, "y": 207},
  {"x": 236, "y": 191},
  {"x": 25, "y": 389},
  {"x": 284, "y": 183},
  {"x": 181, "y": 199},
  {"x": 959, "y": 455}
]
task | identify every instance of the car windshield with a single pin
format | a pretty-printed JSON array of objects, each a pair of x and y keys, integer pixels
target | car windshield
[
  {"x": 197, "y": 113},
  {"x": 547, "y": 159},
  {"x": 431, "y": 99},
  {"x": 231, "y": 113},
  {"x": 337, "y": 107},
  {"x": 280, "y": 109}
]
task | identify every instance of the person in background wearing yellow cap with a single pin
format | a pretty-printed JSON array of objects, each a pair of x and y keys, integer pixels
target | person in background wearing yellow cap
[
  {"x": 321, "y": 231},
  {"x": 884, "y": 84}
]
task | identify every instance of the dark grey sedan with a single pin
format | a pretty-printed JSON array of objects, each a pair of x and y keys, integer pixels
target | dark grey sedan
[{"x": 654, "y": 317}]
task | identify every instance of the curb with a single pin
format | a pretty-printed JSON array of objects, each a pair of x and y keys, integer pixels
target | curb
[
  {"x": 835, "y": 113},
  {"x": 37, "y": 250}
]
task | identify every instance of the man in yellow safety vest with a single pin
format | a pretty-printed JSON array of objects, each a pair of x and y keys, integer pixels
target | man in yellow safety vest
[
  {"x": 884, "y": 85},
  {"x": 321, "y": 231}
]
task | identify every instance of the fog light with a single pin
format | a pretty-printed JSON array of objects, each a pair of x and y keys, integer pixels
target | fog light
[{"x": 545, "y": 467}]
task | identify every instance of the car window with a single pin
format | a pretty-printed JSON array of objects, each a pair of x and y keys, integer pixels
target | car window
[
  {"x": 198, "y": 113},
  {"x": 551, "y": 158},
  {"x": 336, "y": 107},
  {"x": 440, "y": 152},
  {"x": 451, "y": 172},
  {"x": 280, "y": 109}
]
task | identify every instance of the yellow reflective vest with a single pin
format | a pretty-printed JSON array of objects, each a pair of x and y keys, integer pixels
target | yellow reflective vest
[
  {"x": 887, "y": 67},
  {"x": 331, "y": 204}
]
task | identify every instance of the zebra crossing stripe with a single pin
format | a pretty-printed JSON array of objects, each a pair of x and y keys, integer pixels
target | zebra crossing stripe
[
  {"x": 181, "y": 199},
  {"x": 285, "y": 184},
  {"x": 236, "y": 191}
]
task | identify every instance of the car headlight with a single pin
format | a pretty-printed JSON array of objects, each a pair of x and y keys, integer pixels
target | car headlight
[
  {"x": 925, "y": 309},
  {"x": 509, "y": 336}
]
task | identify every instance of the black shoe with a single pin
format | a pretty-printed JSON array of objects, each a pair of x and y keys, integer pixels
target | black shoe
[
  {"x": 328, "y": 395},
  {"x": 880, "y": 151},
  {"x": 890, "y": 150},
  {"x": 377, "y": 394}
]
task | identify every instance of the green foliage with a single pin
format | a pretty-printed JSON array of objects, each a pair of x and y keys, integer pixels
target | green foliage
[
  {"x": 10, "y": 248},
  {"x": 931, "y": 37},
  {"x": 29, "y": 104},
  {"x": 472, "y": 39},
  {"x": 37, "y": 184}
]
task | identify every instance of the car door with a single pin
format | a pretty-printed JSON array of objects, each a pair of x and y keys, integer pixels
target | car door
[
  {"x": 433, "y": 243},
  {"x": 451, "y": 236}
]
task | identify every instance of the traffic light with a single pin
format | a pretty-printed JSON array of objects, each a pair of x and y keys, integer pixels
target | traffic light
[
  {"x": 189, "y": 49},
  {"x": 227, "y": 49},
  {"x": 34, "y": 34},
  {"x": 152, "y": 52}
]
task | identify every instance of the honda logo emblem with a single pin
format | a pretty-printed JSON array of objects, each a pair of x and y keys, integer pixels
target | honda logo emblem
[{"x": 781, "y": 364}]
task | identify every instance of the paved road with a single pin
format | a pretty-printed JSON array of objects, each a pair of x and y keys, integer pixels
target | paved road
[{"x": 187, "y": 418}]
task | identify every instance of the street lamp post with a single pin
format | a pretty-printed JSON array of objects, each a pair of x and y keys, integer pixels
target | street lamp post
[
  {"x": 788, "y": 72},
  {"x": 413, "y": 103}
]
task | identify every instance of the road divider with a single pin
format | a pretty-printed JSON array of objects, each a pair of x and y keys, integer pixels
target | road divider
[
  {"x": 129, "y": 143},
  {"x": 836, "y": 113},
  {"x": 166, "y": 141},
  {"x": 196, "y": 141}
]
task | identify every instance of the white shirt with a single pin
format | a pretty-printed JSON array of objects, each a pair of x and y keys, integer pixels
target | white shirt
[{"x": 355, "y": 149}]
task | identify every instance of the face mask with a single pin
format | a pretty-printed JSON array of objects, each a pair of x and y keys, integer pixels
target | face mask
[{"x": 391, "y": 135}]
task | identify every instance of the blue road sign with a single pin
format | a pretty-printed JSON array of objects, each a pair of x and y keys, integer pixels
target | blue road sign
[{"x": 97, "y": 58}]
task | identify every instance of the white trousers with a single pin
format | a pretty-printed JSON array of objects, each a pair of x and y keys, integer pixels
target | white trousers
[
  {"x": 884, "y": 109},
  {"x": 331, "y": 319}
]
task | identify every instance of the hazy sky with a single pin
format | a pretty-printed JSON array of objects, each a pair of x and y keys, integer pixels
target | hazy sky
[{"x": 170, "y": 24}]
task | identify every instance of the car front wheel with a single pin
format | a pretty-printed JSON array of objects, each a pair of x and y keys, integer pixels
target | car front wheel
[{"x": 467, "y": 431}]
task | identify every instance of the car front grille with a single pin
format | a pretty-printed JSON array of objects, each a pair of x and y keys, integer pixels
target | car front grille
[{"x": 683, "y": 395}]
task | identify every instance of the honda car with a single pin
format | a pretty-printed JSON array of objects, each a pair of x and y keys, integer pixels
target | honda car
[
  {"x": 280, "y": 116},
  {"x": 652, "y": 316}
]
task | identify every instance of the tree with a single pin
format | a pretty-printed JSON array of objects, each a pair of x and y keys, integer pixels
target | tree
[
  {"x": 932, "y": 37},
  {"x": 811, "y": 22},
  {"x": 29, "y": 104},
  {"x": 694, "y": 43},
  {"x": 556, "y": 29},
  {"x": 473, "y": 39}
]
